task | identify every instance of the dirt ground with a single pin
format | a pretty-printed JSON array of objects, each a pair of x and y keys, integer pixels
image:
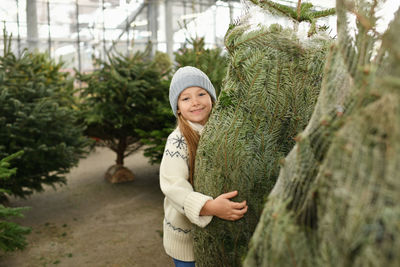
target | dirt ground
[{"x": 90, "y": 222}]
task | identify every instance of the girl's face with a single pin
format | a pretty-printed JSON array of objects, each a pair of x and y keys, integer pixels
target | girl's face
[{"x": 194, "y": 103}]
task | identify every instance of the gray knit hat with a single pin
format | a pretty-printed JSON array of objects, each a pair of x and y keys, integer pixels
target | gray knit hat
[{"x": 187, "y": 77}]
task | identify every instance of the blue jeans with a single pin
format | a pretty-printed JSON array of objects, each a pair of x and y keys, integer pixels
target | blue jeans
[{"x": 179, "y": 263}]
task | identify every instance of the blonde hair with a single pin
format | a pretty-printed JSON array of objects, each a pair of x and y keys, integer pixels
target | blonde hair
[{"x": 192, "y": 140}]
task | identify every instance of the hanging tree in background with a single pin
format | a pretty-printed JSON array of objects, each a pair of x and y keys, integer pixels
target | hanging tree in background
[
  {"x": 336, "y": 201},
  {"x": 271, "y": 87}
]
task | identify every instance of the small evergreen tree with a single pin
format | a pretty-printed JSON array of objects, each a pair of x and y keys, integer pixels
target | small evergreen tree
[
  {"x": 336, "y": 201},
  {"x": 269, "y": 93},
  {"x": 37, "y": 116},
  {"x": 121, "y": 99},
  {"x": 12, "y": 235}
]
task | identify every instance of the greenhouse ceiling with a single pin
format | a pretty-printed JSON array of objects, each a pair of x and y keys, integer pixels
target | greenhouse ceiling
[{"x": 77, "y": 30}]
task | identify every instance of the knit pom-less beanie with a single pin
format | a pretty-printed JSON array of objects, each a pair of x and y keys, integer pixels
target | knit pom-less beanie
[{"x": 187, "y": 77}]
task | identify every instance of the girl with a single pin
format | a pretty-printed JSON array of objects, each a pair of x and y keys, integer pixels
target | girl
[{"x": 191, "y": 95}]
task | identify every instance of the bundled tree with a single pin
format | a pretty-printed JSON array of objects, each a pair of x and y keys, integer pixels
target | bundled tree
[
  {"x": 336, "y": 202},
  {"x": 269, "y": 93},
  {"x": 213, "y": 62},
  {"x": 120, "y": 101},
  {"x": 12, "y": 235},
  {"x": 37, "y": 116}
]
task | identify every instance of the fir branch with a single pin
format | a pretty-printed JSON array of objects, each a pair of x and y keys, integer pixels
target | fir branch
[
  {"x": 324, "y": 13},
  {"x": 303, "y": 11},
  {"x": 276, "y": 8}
]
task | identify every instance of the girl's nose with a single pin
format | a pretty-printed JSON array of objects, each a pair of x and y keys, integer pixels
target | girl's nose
[{"x": 195, "y": 101}]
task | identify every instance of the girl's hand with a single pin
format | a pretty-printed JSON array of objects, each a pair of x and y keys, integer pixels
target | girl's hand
[{"x": 224, "y": 208}]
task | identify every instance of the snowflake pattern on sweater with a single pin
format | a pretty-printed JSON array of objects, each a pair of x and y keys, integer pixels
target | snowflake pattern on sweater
[
  {"x": 180, "y": 144},
  {"x": 179, "y": 141}
]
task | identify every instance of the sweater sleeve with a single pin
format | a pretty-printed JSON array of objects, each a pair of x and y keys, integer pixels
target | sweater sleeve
[{"x": 174, "y": 182}]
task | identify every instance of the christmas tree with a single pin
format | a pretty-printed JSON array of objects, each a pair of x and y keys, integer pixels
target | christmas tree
[
  {"x": 336, "y": 201},
  {"x": 37, "y": 115},
  {"x": 269, "y": 93},
  {"x": 121, "y": 99}
]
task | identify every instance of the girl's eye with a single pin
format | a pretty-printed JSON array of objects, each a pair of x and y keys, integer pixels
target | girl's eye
[
  {"x": 185, "y": 99},
  {"x": 202, "y": 94}
]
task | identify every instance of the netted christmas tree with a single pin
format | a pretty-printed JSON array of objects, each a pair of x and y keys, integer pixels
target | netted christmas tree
[
  {"x": 269, "y": 93},
  {"x": 336, "y": 201}
]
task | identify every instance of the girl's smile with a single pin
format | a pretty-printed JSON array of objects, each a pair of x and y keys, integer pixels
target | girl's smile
[
  {"x": 197, "y": 110},
  {"x": 194, "y": 104}
]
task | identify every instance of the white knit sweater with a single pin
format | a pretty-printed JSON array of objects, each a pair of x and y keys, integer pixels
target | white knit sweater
[{"x": 181, "y": 204}]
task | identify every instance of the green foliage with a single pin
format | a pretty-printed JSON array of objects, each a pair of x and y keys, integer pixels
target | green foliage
[
  {"x": 154, "y": 139},
  {"x": 336, "y": 201},
  {"x": 12, "y": 235},
  {"x": 121, "y": 99},
  {"x": 303, "y": 12},
  {"x": 37, "y": 116},
  {"x": 163, "y": 64},
  {"x": 270, "y": 91},
  {"x": 212, "y": 62}
]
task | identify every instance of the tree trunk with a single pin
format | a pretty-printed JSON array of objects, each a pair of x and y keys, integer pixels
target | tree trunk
[
  {"x": 121, "y": 151},
  {"x": 298, "y": 10}
]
